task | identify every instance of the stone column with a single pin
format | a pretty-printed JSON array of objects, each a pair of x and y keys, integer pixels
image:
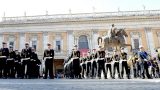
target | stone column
[
  {"x": 45, "y": 40},
  {"x": 70, "y": 41},
  {"x": 22, "y": 39},
  {"x": 150, "y": 41},
  {"x": 1, "y": 39},
  {"x": 94, "y": 39}
]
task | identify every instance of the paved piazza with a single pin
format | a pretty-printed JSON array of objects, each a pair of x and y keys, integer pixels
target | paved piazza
[{"x": 81, "y": 84}]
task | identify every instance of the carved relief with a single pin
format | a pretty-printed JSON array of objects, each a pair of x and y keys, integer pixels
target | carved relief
[
  {"x": 135, "y": 34},
  {"x": 79, "y": 33}
]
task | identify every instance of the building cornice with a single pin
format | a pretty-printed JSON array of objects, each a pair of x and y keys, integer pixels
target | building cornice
[{"x": 83, "y": 17}]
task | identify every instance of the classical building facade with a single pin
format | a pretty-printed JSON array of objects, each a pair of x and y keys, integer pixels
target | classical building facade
[{"x": 65, "y": 30}]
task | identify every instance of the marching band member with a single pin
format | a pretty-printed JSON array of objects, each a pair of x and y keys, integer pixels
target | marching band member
[
  {"x": 143, "y": 58},
  {"x": 48, "y": 57},
  {"x": 101, "y": 62},
  {"x": 136, "y": 66},
  {"x": 10, "y": 63},
  {"x": 34, "y": 63},
  {"x": 108, "y": 65},
  {"x": 76, "y": 62},
  {"x": 88, "y": 74},
  {"x": 18, "y": 64},
  {"x": 4, "y": 51},
  {"x": 93, "y": 63},
  {"x": 116, "y": 59},
  {"x": 83, "y": 66},
  {"x": 124, "y": 63},
  {"x": 26, "y": 54}
]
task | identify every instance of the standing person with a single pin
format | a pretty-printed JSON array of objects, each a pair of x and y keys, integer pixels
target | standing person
[
  {"x": 17, "y": 64},
  {"x": 116, "y": 59},
  {"x": 49, "y": 57},
  {"x": 75, "y": 65},
  {"x": 10, "y": 63},
  {"x": 108, "y": 65},
  {"x": 34, "y": 63},
  {"x": 143, "y": 58},
  {"x": 83, "y": 66},
  {"x": 3, "y": 57},
  {"x": 26, "y": 54},
  {"x": 101, "y": 62},
  {"x": 136, "y": 65},
  {"x": 93, "y": 63},
  {"x": 124, "y": 63},
  {"x": 88, "y": 74}
]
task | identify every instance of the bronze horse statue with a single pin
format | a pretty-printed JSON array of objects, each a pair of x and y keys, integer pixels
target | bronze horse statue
[{"x": 116, "y": 42}]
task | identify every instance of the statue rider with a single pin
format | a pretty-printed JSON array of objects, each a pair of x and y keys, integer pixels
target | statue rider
[{"x": 112, "y": 32}]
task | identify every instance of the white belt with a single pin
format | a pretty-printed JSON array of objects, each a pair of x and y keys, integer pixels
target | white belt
[
  {"x": 16, "y": 61},
  {"x": 123, "y": 60},
  {"x": 33, "y": 60},
  {"x": 9, "y": 59},
  {"x": 48, "y": 57},
  {"x": 2, "y": 56},
  {"x": 75, "y": 57},
  {"x": 100, "y": 58},
  {"x": 108, "y": 63},
  {"x": 116, "y": 61},
  {"x": 93, "y": 60},
  {"x": 25, "y": 59},
  {"x": 88, "y": 61}
]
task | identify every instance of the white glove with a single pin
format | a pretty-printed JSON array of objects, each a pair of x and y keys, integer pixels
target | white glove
[{"x": 145, "y": 60}]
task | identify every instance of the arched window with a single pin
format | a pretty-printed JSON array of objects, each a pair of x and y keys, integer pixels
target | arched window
[{"x": 83, "y": 42}]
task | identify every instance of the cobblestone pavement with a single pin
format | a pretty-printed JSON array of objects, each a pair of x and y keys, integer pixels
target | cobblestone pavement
[{"x": 79, "y": 84}]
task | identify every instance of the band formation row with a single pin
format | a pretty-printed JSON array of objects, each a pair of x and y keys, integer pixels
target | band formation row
[{"x": 25, "y": 64}]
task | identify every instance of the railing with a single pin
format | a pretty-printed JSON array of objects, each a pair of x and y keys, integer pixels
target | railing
[{"x": 81, "y": 15}]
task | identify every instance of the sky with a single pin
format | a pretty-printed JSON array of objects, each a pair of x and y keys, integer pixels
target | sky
[{"x": 11, "y": 8}]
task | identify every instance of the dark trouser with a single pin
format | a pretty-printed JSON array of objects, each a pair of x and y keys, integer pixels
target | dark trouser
[
  {"x": 124, "y": 66},
  {"x": 76, "y": 68},
  {"x": 157, "y": 72},
  {"x": 83, "y": 69},
  {"x": 49, "y": 68},
  {"x": 144, "y": 69},
  {"x": 137, "y": 69},
  {"x": 18, "y": 69},
  {"x": 88, "y": 74},
  {"x": 153, "y": 72},
  {"x": 24, "y": 72},
  {"x": 3, "y": 72},
  {"x": 10, "y": 69},
  {"x": 32, "y": 72},
  {"x": 101, "y": 67},
  {"x": 109, "y": 66},
  {"x": 94, "y": 68},
  {"x": 37, "y": 73},
  {"x": 116, "y": 66},
  {"x": 134, "y": 70}
]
